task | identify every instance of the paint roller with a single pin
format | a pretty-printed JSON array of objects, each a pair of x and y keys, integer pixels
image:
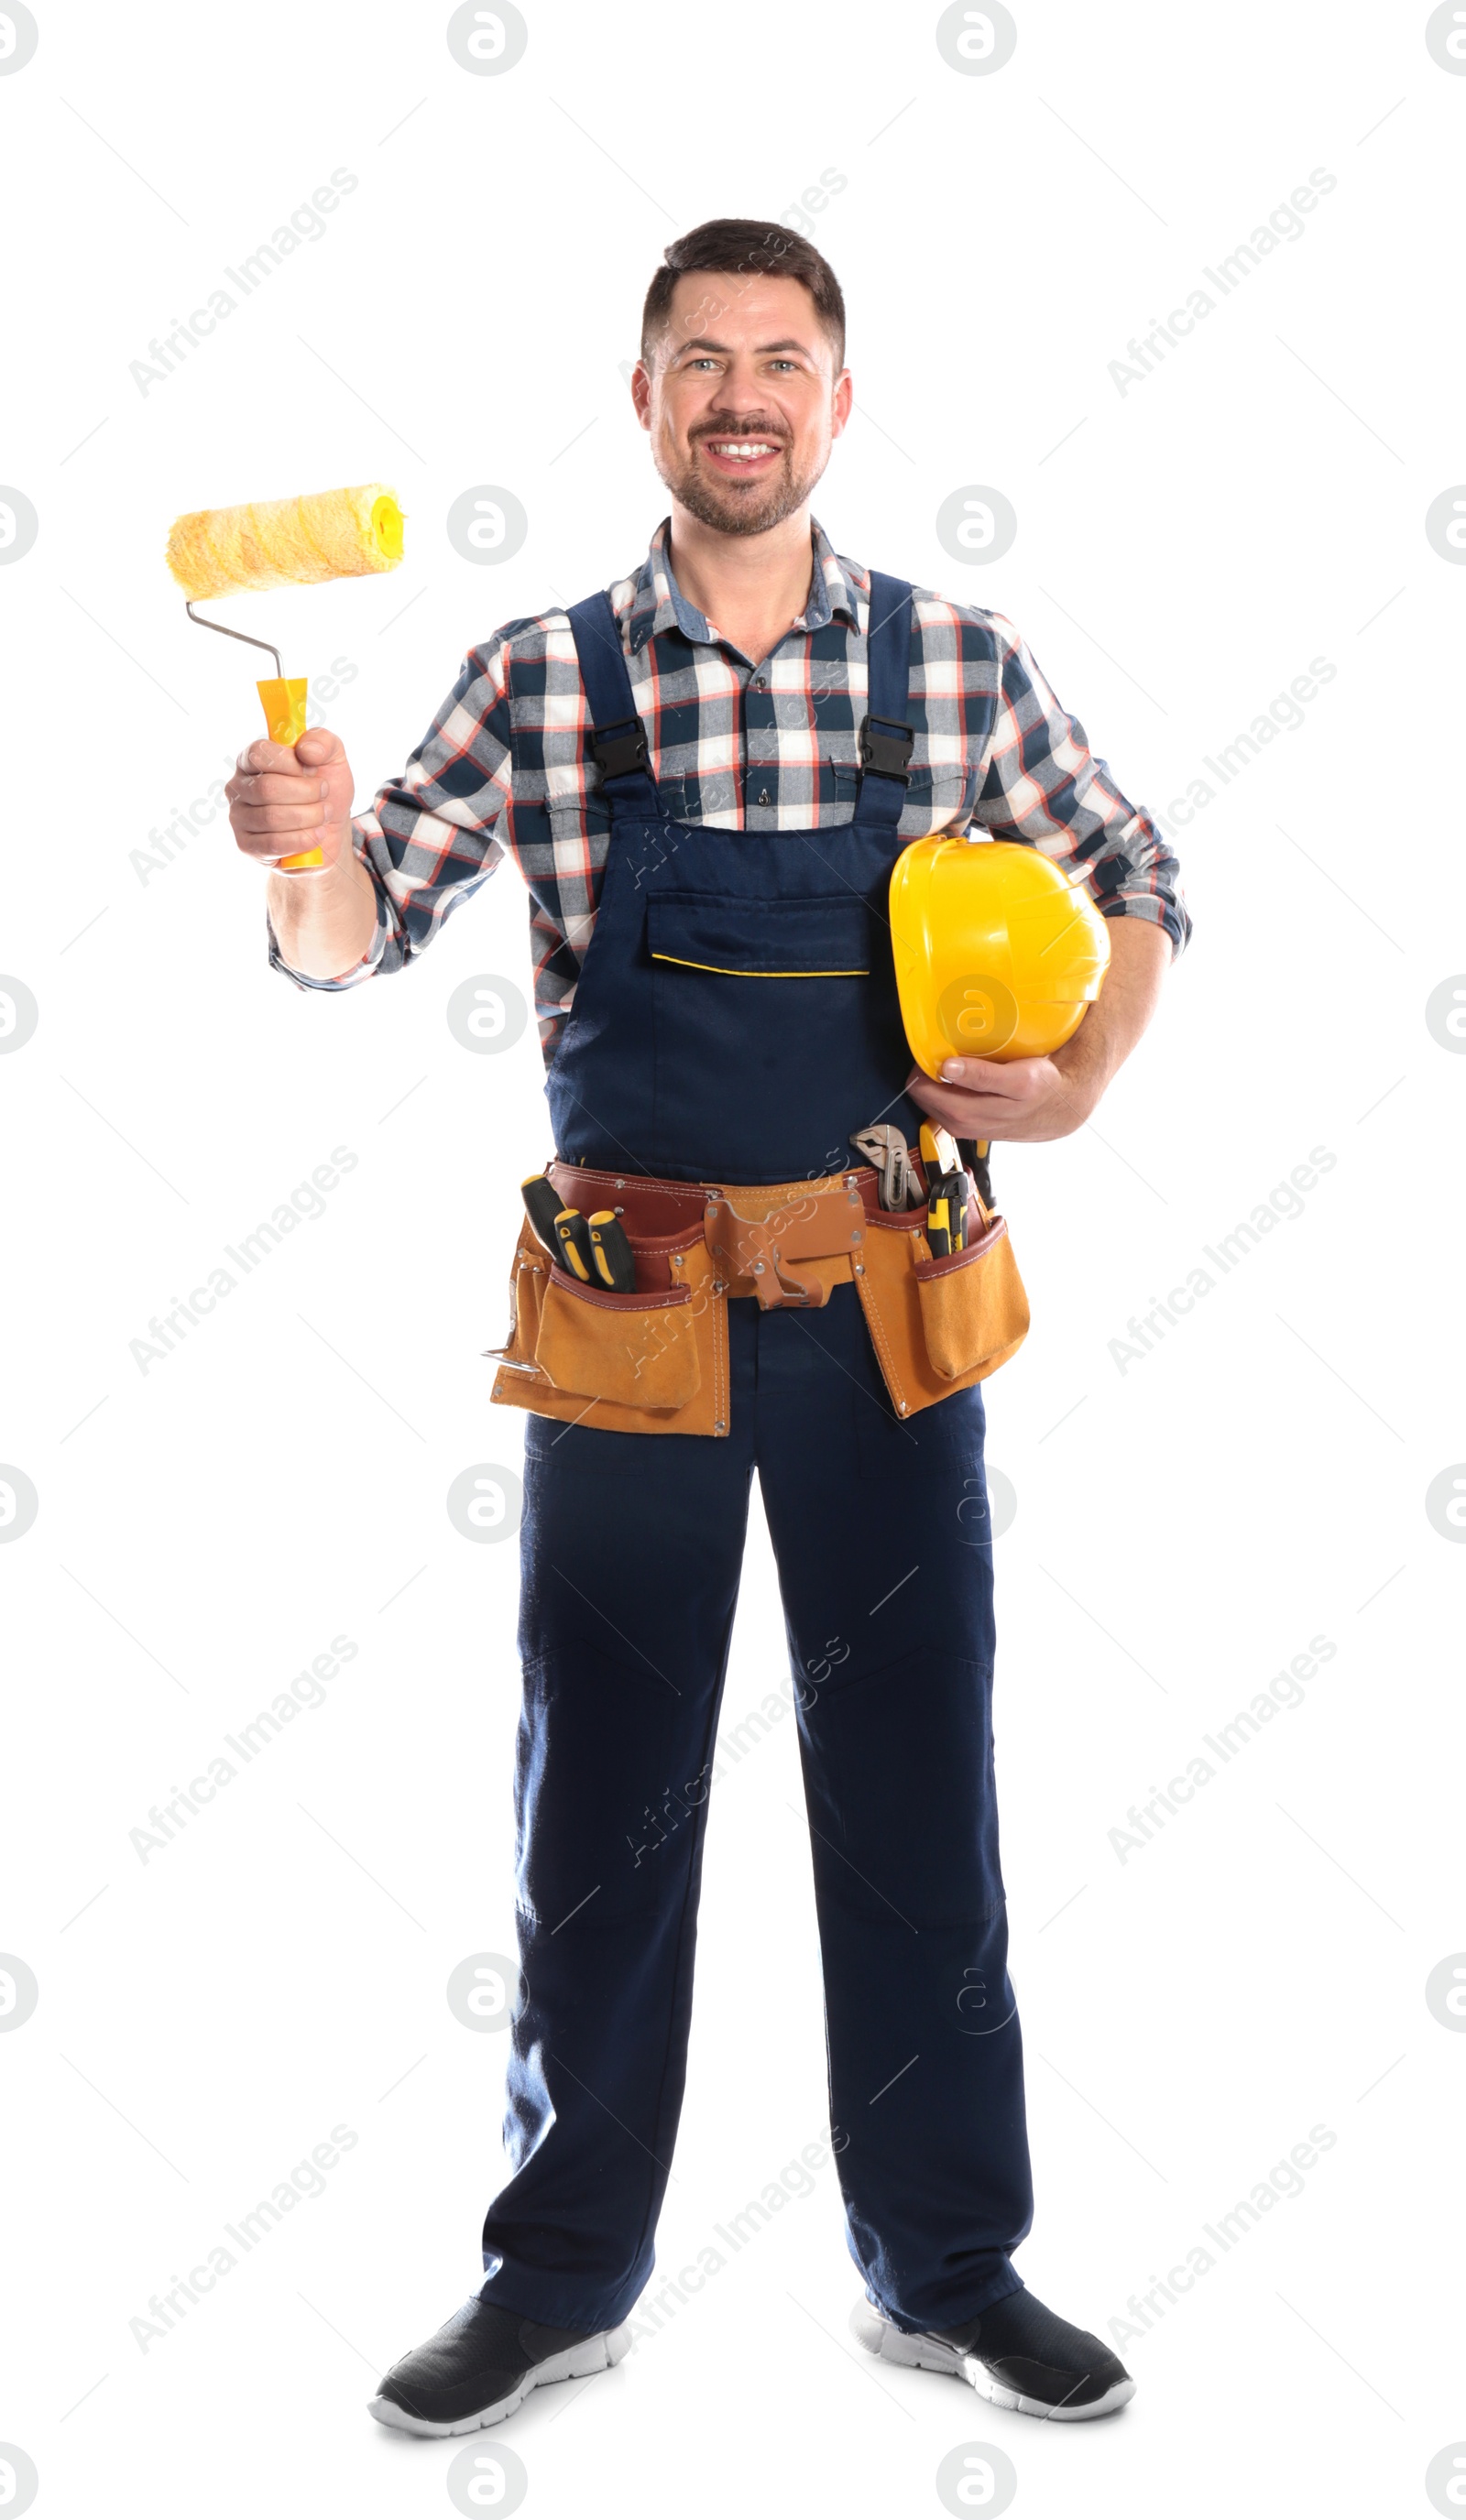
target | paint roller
[{"x": 283, "y": 542}]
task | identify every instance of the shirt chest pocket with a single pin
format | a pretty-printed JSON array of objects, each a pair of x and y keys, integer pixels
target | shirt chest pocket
[
  {"x": 938, "y": 799},
  {"x": 579, "y": 811}
]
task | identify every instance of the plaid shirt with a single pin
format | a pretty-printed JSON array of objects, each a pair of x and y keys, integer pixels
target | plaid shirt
[{"x": 737, "y": 746}]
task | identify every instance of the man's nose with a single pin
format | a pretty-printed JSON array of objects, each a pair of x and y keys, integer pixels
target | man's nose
[{"x": 742, "y": 388}]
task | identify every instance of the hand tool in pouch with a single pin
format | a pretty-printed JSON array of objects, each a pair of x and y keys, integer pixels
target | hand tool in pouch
[
  {"x": 542, "y": 1206},
  {"x": 573, "y": 1234},
  {"x": 939, "y": 1150},
  {"x": 946, "y": 1192},
  {"x": 610, "y": 1253},
  {"x": 885, "y": 1147},
  {"x": 974, "y": 1153},
  {"x": 946, "y": 1214},
  {"x": 283, "y": 542}
]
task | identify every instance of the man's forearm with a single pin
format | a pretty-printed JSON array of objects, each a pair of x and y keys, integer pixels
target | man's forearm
[
  {"x": 1139, "y": 958},
  {"x": 324, "y": 922}
]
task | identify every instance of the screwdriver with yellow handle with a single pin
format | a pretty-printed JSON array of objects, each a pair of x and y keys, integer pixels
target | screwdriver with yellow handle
[
  {"x": 573, "y": 1234},
  {"x": 594, "y": 1248},
  {"x": 610, "y": 1253},
  {"x": 542, "y": 1205}
]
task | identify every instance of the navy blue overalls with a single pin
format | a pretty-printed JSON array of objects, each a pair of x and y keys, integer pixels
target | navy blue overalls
[{"x": 736, "y": 1018}]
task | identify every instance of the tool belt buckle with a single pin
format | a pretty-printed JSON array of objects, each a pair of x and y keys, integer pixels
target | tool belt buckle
[{"x": 762, "y": 1251}]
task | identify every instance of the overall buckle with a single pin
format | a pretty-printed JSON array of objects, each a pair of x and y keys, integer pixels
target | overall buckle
[
  {"x": 619, "y": 747},
  {"x": 886, "y": 747}
]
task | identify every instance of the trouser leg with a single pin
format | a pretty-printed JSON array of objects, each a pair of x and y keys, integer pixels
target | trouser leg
[
  {"x": 630, "y": 1554},
  {"x": 883, "y": 1542}
]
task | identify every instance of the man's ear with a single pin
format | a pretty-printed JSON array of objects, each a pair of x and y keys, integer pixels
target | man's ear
[
  {"x": 641, "y": 392},
  {"x": 842, "y": 402}
]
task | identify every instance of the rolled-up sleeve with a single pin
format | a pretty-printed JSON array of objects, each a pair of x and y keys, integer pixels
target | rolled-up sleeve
[
  {"x": 1041, "y": 783},
  {"x": 427, "y": 841}
]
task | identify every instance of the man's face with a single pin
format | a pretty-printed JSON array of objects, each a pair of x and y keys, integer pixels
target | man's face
[{"x": 742, "y": 401}]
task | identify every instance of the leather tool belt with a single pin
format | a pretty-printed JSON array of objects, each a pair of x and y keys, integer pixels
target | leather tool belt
[{"x": 655, "y": 1361}]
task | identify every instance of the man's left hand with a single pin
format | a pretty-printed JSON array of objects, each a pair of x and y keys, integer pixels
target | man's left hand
[{"x": 1027, "y": 1098}]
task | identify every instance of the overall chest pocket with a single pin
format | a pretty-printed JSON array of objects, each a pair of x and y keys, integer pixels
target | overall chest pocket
[
  {"x": 776, "y": 1031},
  {"x": 830, "y": 938}
]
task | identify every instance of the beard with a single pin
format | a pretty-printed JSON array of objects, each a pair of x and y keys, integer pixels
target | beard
[{"x": 733, "y": 506}]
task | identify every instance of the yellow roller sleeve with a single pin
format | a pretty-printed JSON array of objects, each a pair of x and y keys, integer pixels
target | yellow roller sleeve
[{"x": 287, "y": 542}]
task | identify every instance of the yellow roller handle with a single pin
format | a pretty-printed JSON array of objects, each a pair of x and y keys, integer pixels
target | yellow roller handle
[{"x": 284, "y": 705}]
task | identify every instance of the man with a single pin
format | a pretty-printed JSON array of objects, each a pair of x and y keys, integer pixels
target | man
[{"x": 706, "y": 777}]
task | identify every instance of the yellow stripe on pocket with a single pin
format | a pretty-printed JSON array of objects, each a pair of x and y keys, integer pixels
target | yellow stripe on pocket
[{"x": 729, "y": 972}]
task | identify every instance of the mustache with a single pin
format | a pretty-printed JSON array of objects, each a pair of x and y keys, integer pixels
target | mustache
[{"x": 742, "y": 429}]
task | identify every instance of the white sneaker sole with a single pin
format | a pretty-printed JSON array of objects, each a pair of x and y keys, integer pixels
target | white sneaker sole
[
  {"x": 929, "y": 2354},
  {"x": 577, "y": 2363}
]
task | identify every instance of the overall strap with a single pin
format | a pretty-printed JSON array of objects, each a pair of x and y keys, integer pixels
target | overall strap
[
  {"x": 886, "y": 741},
  {"x": 618, "y": 742}
]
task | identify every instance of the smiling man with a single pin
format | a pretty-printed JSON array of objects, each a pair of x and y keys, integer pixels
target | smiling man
[{"x": 706, "y": 774}]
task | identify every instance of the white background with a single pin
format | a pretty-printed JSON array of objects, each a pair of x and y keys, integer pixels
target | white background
[{"x": 1183, "y": 1527}]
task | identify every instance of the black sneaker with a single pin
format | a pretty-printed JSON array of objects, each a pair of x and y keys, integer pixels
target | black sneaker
[
  {"x": 482, "y": 2365},
  {"x": 1015, "y": 2352}
]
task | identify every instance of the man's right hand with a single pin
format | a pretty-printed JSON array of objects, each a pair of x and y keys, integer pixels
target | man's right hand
[{"x": 285, "y": 799}]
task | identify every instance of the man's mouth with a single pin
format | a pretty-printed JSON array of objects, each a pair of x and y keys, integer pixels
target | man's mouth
[{"x": 730, "y": 455}]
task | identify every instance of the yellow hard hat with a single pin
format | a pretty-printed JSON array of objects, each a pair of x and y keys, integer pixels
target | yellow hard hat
[{"x": 997, "y": 954}]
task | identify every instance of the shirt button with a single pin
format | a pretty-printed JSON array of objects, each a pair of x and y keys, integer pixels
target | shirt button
[
  {"x": 761, "y": 682},
  {"x": 765, "y": 797}
]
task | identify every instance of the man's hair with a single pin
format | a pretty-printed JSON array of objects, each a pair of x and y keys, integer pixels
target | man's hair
[{"x": 745, "y": 247}]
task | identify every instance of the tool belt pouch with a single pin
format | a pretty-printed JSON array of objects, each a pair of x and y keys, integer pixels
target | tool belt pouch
[
  {"x": 645, "y": 1362},
  {"x": 940, "y": 1324}
]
